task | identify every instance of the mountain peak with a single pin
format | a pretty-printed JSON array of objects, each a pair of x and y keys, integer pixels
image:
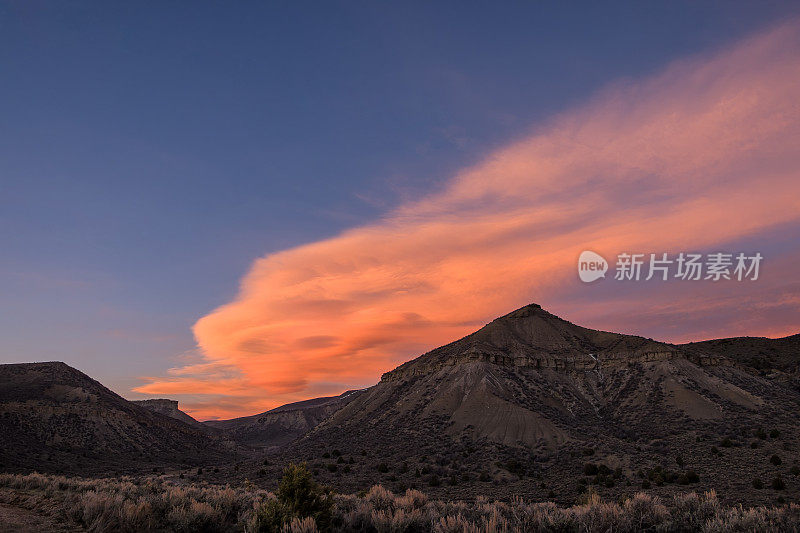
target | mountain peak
[
  {"x": 533, "y": 337},
  {"x": 525, "y": 310}
]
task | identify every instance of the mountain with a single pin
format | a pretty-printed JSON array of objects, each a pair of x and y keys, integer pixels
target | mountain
[
  {"x": 168, "y": 408},
  {"x": 772, "y": 358},
  {"x": 283, "y": 424},
  {"x": 526, "y": 401},
  {"x": 530, "y": 405},
  {"x": 55, "y": 418}
]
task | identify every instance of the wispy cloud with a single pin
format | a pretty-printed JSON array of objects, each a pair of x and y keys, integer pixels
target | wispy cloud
[{"x": 700, "y": 155}]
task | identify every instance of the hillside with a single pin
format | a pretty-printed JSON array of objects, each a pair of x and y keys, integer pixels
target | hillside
[
  {"x": 283, "y": 424},
  {"x": 525, "y": 402},
  {"x": 55, "y": 418},
  {"x": 771, "y": 358}
]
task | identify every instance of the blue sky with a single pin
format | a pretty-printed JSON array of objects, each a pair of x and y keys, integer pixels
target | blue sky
[{"x": 150, "y": 151}]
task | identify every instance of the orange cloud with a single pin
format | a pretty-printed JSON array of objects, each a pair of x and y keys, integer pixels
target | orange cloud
[{"x": 703, "y": 154}]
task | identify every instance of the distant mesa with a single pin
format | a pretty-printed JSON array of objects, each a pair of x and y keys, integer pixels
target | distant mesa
[{"x": 168, "y": 408}]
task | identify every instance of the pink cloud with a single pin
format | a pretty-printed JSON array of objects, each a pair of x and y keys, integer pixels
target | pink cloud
[{"x": 700, "y": 155}]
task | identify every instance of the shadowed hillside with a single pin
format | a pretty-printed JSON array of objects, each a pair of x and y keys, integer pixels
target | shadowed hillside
[
  {"x": 283, "y": 424},
  {"x": 55, "y": 418}
]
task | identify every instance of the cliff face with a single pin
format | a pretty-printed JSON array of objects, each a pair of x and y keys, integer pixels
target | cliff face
[{"x": 168, "y": 408}]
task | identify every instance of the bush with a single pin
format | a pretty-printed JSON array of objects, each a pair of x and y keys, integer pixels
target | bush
[
  {"x": 795, "y": 470},
  {"x": 590, "y": 469},
  {"x": 299, "y": 496},
  {"x": 778, "y": 483},
  {"x": 382, "y": 468},
  {"x": 775, "y": 460},
  {"x": 515, "y": 467},
  {"x": 774, "y": 434},
  {"x": 758, "y": 484},
  {"x": 126, "y": 504},
  {"x": 270, "y": 517},
  {"x": 484, "y": 477}
]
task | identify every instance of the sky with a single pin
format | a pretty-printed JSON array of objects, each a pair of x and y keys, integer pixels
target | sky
[{"x": 242, "y": 205}]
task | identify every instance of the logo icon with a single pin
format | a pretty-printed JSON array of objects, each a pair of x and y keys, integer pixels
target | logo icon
[{"x": 591, "y": 266}]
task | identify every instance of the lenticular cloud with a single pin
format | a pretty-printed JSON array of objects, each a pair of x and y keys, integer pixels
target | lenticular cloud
[{"x": 703, "y": 154}]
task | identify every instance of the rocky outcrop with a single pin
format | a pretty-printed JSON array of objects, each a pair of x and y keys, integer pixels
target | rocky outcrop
[{"x": 168, "y": 408}]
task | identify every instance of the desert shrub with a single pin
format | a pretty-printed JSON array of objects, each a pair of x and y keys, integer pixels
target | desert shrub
[
  {"x": 515, "y": 467},
  {"x": 589, "y": 497},
  {"x": 758, "y": 484},
  {"x": 380, "y": 498},
  {"x": 795, "y": 470},
  {"x": 775, "y": 460},
  {"x": 726, "y": 443},
  {"x": 194, "y": 517},
  {"x": 156, "y": 504},
  {"x": 382, "y": 467},
  {"x": 645, "y": 512},
  {"x": 298, "y": 497},
  {"x": 778, "y": 483},
  {"x": 269, "y": 517},
  {"x": 774, "y": 434},
  {"x": 760, "y": 433},
  {"x": 484, "y": 477},
  {"x": 692, "y": 510},
  {"x": 590, "y": 469},
  {"x": 412, "y": 499}
]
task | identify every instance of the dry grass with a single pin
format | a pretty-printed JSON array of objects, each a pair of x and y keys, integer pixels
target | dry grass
[{"x": 129, "y": 504}]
